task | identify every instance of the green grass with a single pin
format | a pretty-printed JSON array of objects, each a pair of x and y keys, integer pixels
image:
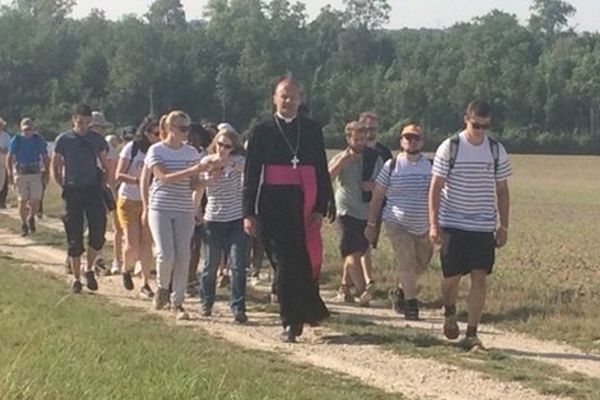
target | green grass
[{"x": 58, "y": 346}]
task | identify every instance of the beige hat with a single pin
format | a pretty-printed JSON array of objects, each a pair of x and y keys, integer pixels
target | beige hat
[
  {"x": 98, "y": 119},
  {"x": 26, "y": 123}
]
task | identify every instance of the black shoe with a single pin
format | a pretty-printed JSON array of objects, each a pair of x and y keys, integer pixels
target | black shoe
[
  {"x": 31, "y": 223},
  {"x": 146, "y": 292},
  {"x": 127, "y": 281},
  {"x": 411, "y": 310},
  {"x": 288, "y": 336},
  {"x": 161, "y": 299},
  {"x": 24, "y": 230},
  {"x": 76, "y": 287},
  {"x": 205, "y": 311},
  {"x": 240, "y": 317},
  {"x": 100, "y": 265},
  {"x": 396, "y": 297},
  {"x": 90, "y": 281}
]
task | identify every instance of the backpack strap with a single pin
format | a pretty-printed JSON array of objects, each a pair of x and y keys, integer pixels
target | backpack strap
[
  {"x": 454, "y": 143},
  {"x": 392, "y": 168},
  {"x": 495, "y": 150}
]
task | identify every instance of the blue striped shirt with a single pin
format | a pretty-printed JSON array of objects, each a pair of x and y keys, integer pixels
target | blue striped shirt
[
  {"x": 468, "y": 198},
  {"x": 224, "y": 194},
  {"x": 173, "y": 196},
  {"x": 406, "y": 191}
]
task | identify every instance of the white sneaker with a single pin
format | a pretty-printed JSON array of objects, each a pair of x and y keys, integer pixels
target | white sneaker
[{"x": 115, "y": 269}]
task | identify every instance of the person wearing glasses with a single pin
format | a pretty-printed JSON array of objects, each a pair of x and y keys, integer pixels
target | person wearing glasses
[
  {"x": 137, "y": 236},
  {"x": 171, "y": 173},
  {"x": 223, "y": 224},
  {"x": 468, "y": 214},
  {"x": 404, "y": 183},
  {"x": 26, "y": 153}
]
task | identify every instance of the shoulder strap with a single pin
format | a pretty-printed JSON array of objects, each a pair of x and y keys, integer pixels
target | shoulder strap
[
  {"x": 17, "y": 145},
  {"x": 495, "y": 149},
  {"x": 392, "y": 167},
  {"x": 454, "y": 143}
]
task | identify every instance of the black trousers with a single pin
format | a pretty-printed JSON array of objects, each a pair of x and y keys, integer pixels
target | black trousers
[{"x": 84, "y": 203}]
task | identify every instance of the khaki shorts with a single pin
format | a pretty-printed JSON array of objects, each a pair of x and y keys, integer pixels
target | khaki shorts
[
  {"x": 29, "y": 187},
  {"x": 410, "y": 250},
  {"x": 129, "y": 212}
]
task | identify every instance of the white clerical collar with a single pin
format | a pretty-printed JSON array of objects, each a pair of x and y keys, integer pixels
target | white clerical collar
[{"x": 286, "y": 120}]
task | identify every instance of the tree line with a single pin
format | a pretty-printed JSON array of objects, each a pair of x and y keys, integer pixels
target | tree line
[{"x": 542, "y": 78}]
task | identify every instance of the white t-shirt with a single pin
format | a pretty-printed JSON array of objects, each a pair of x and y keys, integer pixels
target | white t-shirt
[
  {"x": 172, "y": 196},
  {"x": 4, "y": 139},
  {"x": 468, "y": 198},
  {"x": 131, "y": 191},
  {"x": 407, "y": 192},
  {"x": 225, "y": 194}
]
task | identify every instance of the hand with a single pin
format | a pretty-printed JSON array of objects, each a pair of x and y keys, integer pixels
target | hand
[
  {"x": 315, "y": 218},
  {"x": 371, "y": 233},
  {"x": 250, "y": 226},
  {"x": 434, "y": 234},
  {"x": 199, "y": 217},
  {"x": 367, "y": 186},
  {"x": 501, "y": 237},
  {"x": 348, "y": 156}
]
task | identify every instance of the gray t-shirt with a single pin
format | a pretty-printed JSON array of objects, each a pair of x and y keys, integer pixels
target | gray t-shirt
[
  {"x": 80, "y": 154},
  {"x": 348, "y": 191}
]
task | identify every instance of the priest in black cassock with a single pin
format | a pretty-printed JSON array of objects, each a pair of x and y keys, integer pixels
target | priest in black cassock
[{"x": 286, "y": 192}]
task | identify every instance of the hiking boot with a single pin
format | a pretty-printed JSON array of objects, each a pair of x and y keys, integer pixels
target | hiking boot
[
  {"x": 24, "y": 230},
  {"x": 288, "y": 335},
  {"x": 411, "y": 310},
  {"x": 181, "y": 314},
  {"x": 146, "y": 292},
  {"x": 205, "y": 310},
  {"x": 100, "y": 265},
  {"x": 90, "y": 281},
  {"x": 471, "y": 343},
  {"x": 451, "y": 330},
  {"x": 76, "y": 287},
  {"x": 240, "y": 317},
  {"x": 161, "y": 299},
  {"x": 192, "y": 289},
  {"x": 31, "y": 223},
  {"x": 344, "y": 295},
  {"x": 223, "y": 281},
  {"x": 127, "y": 281},
  {"x": 396, "y": 297}
]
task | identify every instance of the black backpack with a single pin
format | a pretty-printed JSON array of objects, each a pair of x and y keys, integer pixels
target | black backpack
[{"x": 455, "y": 142}]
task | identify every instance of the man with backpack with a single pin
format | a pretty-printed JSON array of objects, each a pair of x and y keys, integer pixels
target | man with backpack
[
  {"x": 468, "y": 194},
  {"x": 26, "y": 152}
]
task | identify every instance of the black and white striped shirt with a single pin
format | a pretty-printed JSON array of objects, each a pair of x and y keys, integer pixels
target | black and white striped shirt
[
  {"x": 173, "y": 196},
  {"x": 406, "y": 192},
  {"x": 224, "y": 194},
  {"x": 468, "y": 198}
]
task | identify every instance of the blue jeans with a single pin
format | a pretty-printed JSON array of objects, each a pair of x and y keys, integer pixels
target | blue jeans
[{"x": 224, "y": 238}]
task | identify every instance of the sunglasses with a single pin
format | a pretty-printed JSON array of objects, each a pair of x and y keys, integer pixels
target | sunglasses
[
  {"x": 412, "y": 137},
  {"x": 225, "y": 145},
  {"x": 477, "y": 126}
]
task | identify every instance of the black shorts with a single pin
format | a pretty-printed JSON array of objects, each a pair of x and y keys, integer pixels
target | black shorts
[
  {"x": 352, "y": 235},
  {"x": 464, "y": 251}
]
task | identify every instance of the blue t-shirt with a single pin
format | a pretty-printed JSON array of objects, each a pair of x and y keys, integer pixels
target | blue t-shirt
[{"x": 28, "y": 150}]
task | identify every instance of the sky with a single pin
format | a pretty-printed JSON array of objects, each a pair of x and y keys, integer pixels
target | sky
[{"x": 405, "y": 13}]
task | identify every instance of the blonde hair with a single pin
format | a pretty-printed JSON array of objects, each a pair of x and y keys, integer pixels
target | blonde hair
[
  {"x": 168, "y": 120},
  {"x": 234, "y": 138}
]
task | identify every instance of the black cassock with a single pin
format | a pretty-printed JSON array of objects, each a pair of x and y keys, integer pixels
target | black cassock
[{"x": 279, "y": 209}]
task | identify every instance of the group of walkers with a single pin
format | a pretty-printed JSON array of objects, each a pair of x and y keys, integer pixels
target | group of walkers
[{"x": 179, "y": 187}]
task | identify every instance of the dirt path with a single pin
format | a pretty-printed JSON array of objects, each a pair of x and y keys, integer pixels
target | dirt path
[
  {"x": 321, "y": 347},
  {"x": 515, "y": 344}
]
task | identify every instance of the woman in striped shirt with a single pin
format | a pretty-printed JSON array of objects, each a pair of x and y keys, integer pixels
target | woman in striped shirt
[
  {"x": 223, "y": 223},
  {"x": 169, "y": 208}
]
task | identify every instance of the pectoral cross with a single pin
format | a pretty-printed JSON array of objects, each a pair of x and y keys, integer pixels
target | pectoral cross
[{"x": 295, "y": 161}]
